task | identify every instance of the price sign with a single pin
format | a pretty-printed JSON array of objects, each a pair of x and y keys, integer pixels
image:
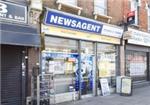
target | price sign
[{"x": 104, "y": 87}]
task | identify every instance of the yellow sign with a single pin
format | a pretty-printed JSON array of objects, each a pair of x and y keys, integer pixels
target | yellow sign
[
  {"x": 104, "y": 70},
  {"x": 69, "y": 68},
  {"x": 62, "y": 32}
]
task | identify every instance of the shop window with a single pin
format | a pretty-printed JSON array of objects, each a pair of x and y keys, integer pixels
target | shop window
[
  {"x": 100, "y": 7},
  {"x": 107, "y": 62},
  {"x": 136, "y": 65},
  {"x": 61, "y": 45},
  {"x": 100, "y": 11},
  {"x": 61, "y": 59},
  {"x": 134, "y": 7}
]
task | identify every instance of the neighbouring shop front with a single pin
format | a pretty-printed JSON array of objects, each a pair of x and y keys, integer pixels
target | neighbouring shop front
[
  {"x": 137, "y": 56},
  {"x": 17, "y": 40},
  {"x": 78, "y": 52}
]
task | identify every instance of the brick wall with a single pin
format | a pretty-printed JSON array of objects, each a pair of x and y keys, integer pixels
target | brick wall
[
  {"x": 143, "y": 20},
  {"x": 125, "y": 8},
  {"x": 115, "y": 10},
  {"x": 50, "y": 3},
  {"x": 87, "y": 6},
  {"x": 33, "y": 58}
]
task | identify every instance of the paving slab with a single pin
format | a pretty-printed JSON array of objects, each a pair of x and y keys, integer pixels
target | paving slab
[{"x": 140, "y": 96}]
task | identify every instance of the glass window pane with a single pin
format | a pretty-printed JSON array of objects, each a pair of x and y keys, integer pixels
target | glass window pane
[
  {"x": 72, "y": 2},
  {"x": 61, "y": 45},
  {"x": 61, "y": 59},
  {"x": 134, "y": 5},
  {"x": 87, "y": 47},
  {"x": 100, "y": 6},
  {"x": 107, "y": 62}
]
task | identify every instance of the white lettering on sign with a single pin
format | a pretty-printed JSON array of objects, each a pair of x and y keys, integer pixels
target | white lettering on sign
[
  {"x": 2, "y": 15},
  {"x": 3, "y": 8},
  {"x": 112, "y": 31},
  {"x": 139, "y": 37},
  {"x": 10, "y": 16},
  {"x": 19, "y": 18},
  {"x": 73, "y": 23},
  {"x": 12, "y": 12}
]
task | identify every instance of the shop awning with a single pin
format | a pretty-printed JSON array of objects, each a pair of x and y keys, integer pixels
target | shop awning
[{"x": 19, "y": 35}]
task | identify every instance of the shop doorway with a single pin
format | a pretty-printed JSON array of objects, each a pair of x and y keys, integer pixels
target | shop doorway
[
  {"x": 87, "y": 68},
  {"x": 13, "y": 79}
]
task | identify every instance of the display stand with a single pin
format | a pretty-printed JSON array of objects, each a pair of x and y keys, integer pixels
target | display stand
[
  {"x": 104, "y": 87},
  {"x": 126, "y": 86},
  {"x": 43, "y": 92}
]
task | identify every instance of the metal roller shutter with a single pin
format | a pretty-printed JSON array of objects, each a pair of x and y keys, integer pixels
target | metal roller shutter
[{"x": 11, "y": 75}]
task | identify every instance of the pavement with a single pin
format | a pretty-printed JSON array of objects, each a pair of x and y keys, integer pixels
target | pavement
[{"x": 140, "y": 96}]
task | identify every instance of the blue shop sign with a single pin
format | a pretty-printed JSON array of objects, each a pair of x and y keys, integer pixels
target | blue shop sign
[
  {"x": 71, "y": 21},
  {"x": 13, "y": 12}
]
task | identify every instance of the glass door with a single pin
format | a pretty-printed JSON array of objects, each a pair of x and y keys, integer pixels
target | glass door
[{"x": 87, "y": 68}]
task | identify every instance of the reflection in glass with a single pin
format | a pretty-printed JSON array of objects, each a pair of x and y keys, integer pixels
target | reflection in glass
[
  {"x": 61, "y": 45},
  {"x": 106, "y": 61},
  {"x": 87, "y": 64},
  {"x": 61, "y": 59}
]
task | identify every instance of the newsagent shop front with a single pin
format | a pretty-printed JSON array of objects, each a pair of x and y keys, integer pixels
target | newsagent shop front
[
  {"x": 138, "y": 55},
  {"x": 78, "y": 55}
]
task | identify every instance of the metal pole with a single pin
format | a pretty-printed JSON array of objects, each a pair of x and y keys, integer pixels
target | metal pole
[
  {"x": 148, "y": 66},
  {"x": 95, "y": 80},
  {"x": 38, "y": 89},
  {"x": 79, "y": 63}
]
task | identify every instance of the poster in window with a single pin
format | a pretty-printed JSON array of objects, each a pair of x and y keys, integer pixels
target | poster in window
[
  {"x": 59, "y": 67},
  {"x": 51, "y": 66},
  {"x": 104, "y": 69},
  {"x": 69, "y": 68}
]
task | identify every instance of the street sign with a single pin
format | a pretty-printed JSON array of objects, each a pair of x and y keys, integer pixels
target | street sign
[{"x": 131, "y": 17}]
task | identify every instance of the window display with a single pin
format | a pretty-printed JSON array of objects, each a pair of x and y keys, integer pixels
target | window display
[
  {"x": 61, "y": 59},
  {"x": 107, "y": 62},
  {"x": 61, "y": 45}
]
